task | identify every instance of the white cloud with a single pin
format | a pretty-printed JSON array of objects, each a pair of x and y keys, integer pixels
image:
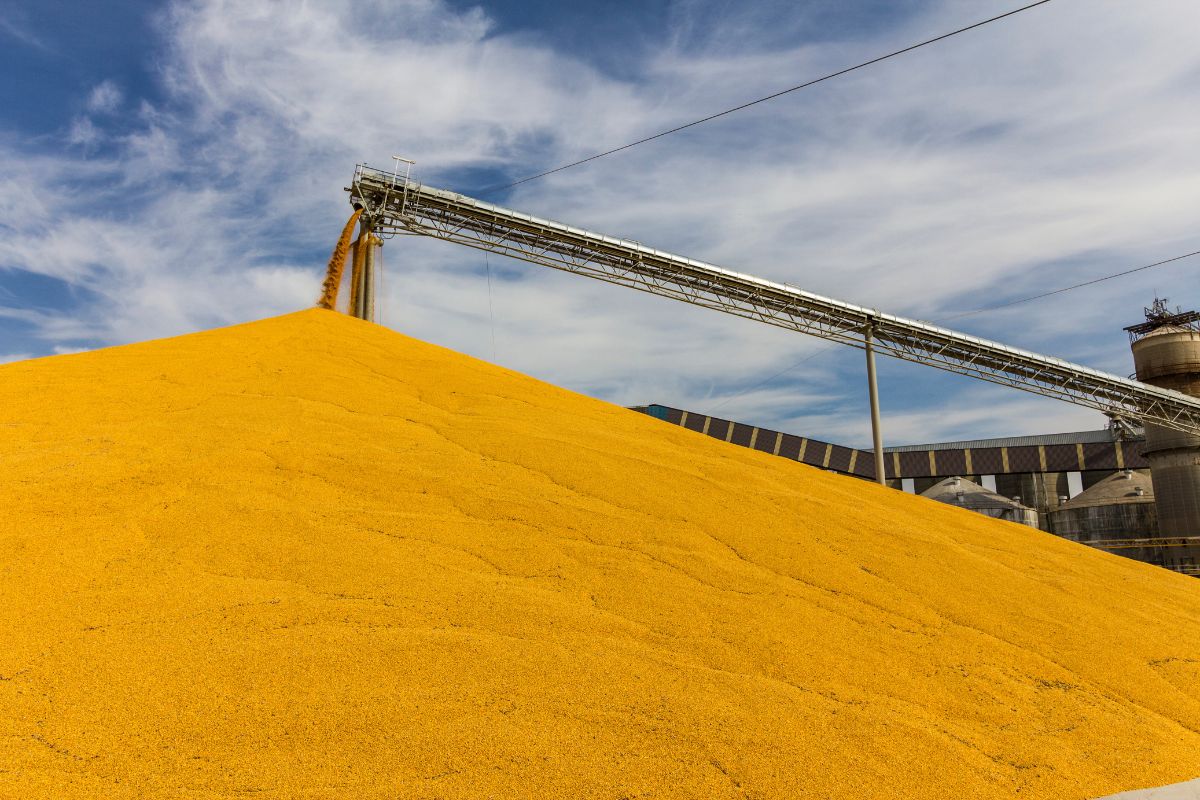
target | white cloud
[
  {"x": 105, "y": 98},
  {"x": 16, "y": 28},
  {"x": 971, "y": 414},
  {"x": 84, "y": 133},
  {"x": 1039, "y": 151}
]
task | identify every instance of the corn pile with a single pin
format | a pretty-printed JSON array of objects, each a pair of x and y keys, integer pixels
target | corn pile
[{"x": 309, "y": 557}]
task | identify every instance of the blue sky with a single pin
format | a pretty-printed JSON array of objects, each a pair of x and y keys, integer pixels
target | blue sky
[{"x": 172, "y": 166}]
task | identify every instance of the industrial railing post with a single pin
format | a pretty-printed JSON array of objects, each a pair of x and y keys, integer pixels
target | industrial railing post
[{"x": 873, "y": 390}]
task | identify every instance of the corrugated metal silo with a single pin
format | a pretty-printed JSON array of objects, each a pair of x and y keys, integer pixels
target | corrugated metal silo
[
  {"x": 1119, "y": 507},
  {"x": 973, "y": 497}
]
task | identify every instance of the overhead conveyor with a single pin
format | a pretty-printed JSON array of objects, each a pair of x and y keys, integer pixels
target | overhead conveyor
[{"x": 395, "y": 204}]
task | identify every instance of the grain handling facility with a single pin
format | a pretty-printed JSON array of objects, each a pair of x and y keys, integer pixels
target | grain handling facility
[
  {"x": 1119, "y": 507},
  {"x": 1091, "y": 454},
  {"x": 388, "y": 204}
]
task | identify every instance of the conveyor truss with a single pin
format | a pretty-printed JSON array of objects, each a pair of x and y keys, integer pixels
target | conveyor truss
[{"x": 396, "y": 204}]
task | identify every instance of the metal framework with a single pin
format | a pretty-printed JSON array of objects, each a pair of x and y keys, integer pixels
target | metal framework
[
  {"x": 1159, "y": 316},
  {"x": 397, "y": 205}
]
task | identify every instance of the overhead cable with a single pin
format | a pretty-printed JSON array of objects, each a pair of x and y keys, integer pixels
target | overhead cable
[
  {"x": 780, "y": 93},
  {"x": 780, "y": 373},
  {"x": 1069, "y": 288}
]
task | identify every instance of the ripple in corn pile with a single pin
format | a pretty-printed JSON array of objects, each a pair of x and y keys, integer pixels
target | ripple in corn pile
[{"x": 310, "y": 557}]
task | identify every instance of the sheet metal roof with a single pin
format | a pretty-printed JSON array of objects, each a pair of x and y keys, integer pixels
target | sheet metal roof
[
  {"x": 968, "y": 494},
  {"x": 1078, "y": 437}
]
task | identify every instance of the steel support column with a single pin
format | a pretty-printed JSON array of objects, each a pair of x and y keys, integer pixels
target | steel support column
[
  {"x": 368, "y": 286},
  {"x": 873, "y": 391},
  {"x": 362, "y": 284}
]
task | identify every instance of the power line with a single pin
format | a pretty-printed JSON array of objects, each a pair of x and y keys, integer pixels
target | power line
[
  {"x": 744, "y": 106},
  {"x": 765, "y": 381},
  {"x": 1069, "y": 288}
]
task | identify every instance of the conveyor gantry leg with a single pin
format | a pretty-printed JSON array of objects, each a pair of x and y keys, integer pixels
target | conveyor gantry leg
[
  {"x": 873, "y": 390},
  {"x": 368, "y": 289},
  {"x": 362, "y": 278}
]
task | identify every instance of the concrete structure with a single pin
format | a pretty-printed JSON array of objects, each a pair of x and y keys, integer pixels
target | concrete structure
[
  {"x": 958, "y": 491},
  {"x": 1119, "y": 507},
  {"x": 1166, "y": 352},
  {"x": 1189, "y": 790}
]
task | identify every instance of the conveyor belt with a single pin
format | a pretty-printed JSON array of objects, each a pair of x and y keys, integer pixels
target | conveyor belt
[{"x": 398, "y": 205}]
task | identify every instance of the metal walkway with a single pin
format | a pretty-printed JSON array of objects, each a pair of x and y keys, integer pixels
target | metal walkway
[{"x": 397, "y": 205}]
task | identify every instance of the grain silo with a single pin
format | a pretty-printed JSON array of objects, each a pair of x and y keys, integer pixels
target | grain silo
[
  {"x": 1166, "y": 353},
  {"x": 963, "y": 493},
  {"x": 1119, "y": 507}
]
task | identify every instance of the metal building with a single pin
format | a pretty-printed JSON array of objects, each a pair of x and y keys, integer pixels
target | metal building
[
  {"x": 1166, "y": 352},
  {"x": 1119, "y": 507},
  {"x": 1037, "y": 469},
  {"x": 958, "y": 491},
  {"x": 1119, "y": 515}
]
